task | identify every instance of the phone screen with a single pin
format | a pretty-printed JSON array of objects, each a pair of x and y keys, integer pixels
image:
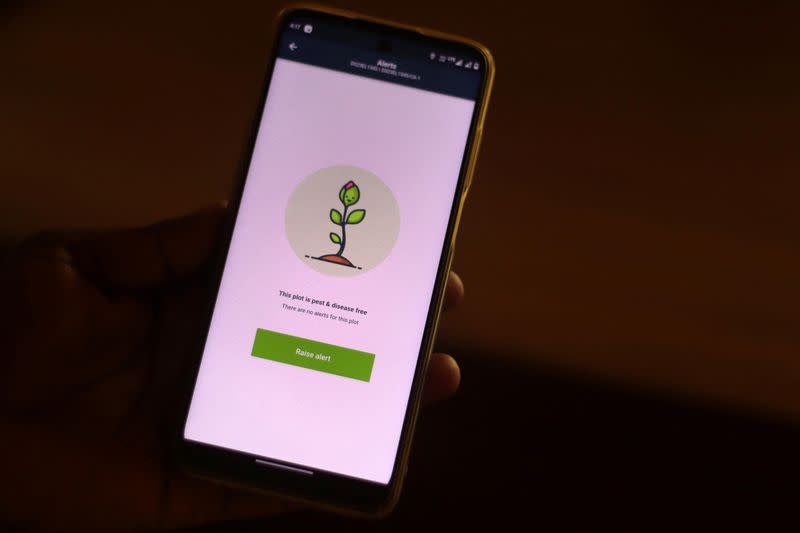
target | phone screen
[{"x": 328, "y": 283}]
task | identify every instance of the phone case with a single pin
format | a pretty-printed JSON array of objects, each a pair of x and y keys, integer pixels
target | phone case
[{"x": 430, "y": 333}]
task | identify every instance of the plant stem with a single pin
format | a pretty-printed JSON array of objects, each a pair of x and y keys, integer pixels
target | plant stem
[{"x": 344, "y": 237}]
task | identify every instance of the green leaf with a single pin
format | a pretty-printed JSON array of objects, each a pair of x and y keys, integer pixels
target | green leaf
[
  {"x": 356, "y": 216},
  {"x": 335, "y": 238},
  {"x": 336, "y": 217}
]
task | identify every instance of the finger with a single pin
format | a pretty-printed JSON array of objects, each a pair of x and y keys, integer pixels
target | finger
[
  {"x": 454, "y": 291},
  {"x": 43, "y": 293},
  {"x": 151, "y": 256},
  {"x": 443, "y": 378}
]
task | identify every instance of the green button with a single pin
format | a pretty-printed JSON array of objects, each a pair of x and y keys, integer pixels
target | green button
[{"x": 315, "y": 355}]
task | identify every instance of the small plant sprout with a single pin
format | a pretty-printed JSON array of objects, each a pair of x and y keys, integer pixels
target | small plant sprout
[{"x": 349, "y": 195}]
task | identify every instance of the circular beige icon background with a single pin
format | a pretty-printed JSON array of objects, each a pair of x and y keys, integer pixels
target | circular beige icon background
[{"x": 342, "y": 221}]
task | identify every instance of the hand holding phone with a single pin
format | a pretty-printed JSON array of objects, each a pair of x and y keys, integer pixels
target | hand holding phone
[
  {"x": 101, "y": 327},
  {"x": 99, "y": 340}
]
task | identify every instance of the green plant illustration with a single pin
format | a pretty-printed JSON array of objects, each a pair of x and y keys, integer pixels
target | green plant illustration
[{"x": 349, "y": 195}]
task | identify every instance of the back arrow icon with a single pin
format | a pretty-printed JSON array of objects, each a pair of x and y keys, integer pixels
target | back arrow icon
[{"x": 292, "y": 47}]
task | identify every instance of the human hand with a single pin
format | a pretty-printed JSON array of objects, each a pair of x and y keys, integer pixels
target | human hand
[{"x": 97, "y": 360}]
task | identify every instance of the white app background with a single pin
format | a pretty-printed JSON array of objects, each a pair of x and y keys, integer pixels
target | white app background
[{"x": 314, "y": 118}]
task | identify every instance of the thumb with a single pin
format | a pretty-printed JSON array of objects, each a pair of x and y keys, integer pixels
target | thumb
[{"x": 151, "y": 256}]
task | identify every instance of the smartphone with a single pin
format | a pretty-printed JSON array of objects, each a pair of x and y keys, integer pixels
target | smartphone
[{"x": 335, "y": 263}]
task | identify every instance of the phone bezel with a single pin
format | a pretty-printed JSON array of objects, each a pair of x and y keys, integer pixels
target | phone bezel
[{"x": 328, "y": 489}]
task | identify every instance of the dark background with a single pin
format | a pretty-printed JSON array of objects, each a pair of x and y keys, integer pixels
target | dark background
[{"x": 631, "y": 330}]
